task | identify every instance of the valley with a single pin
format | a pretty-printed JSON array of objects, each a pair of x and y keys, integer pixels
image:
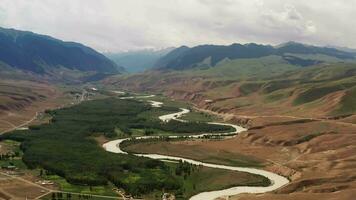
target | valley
[
  {"x": 177, "y": 100},
  {"x": 270, "y": 143},
  {"x": 30, "y": 147},
  {"x": 301, "y": 121}
]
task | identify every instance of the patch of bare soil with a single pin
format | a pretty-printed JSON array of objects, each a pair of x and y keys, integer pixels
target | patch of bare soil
[{"x": 17, "y": 189}]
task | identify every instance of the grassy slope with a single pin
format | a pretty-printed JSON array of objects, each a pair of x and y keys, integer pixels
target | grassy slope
[
  {"x": 262, "y": 84},
  {"x": 246, "y": 68},
  {"x": 348, "y": 103}
]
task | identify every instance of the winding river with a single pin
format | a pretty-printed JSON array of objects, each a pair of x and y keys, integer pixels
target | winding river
[{"x": 277, "y": 181}]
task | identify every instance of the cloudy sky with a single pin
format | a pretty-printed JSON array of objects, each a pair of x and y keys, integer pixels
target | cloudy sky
[{"x": 120, "y": 25}]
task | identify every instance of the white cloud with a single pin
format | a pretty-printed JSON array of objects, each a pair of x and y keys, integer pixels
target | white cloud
[
  {"x": 289, "y": 21},
  {"x": 115, "y": 25}
]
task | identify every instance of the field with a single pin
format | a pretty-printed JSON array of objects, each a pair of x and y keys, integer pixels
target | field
[
  {"x": 63, "y": 195},
  {"x": 59, "y": 195},
  {"x": 17, "y": 189},
  {"x": 63, "y": 185}
]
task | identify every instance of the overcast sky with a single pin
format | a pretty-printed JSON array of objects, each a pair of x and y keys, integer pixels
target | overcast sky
[{"x": 119, "y": 25}]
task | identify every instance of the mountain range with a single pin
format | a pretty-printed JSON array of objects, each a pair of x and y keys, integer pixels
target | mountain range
[
  {"x": 238, "y": 77},
  {"x": 45, "y": 55},
  {"x": 210, "y": 55}
]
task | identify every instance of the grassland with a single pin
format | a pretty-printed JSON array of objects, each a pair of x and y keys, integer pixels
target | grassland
[
  {"x": 183, "y": 149},
  {"x": 197, "y": 116},
  {"x": 266, "y": 85},
  {"x": 63, "y": 185},
  {"x": 245, "y": 68},
  {"x": 347, "y": 103},
  {"x": 10, "y": 154}
]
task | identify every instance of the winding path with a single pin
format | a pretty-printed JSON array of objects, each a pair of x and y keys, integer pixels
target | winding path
[{"x": 277, "y": 181}]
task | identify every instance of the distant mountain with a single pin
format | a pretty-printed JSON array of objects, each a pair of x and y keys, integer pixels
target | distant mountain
[
  {"x": 298, "y": 48},
  {"x": 343, "y": 49},
  {"x": 138, "y": 61},
  {"x": 209, "y": 55},
  {"x": 41, "y": 54}
]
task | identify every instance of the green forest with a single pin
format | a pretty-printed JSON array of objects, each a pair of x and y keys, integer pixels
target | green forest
[{"x": 66, "y": 146}]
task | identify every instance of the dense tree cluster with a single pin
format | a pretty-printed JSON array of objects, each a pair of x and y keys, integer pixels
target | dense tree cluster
[{"x": 65, "y": 146}]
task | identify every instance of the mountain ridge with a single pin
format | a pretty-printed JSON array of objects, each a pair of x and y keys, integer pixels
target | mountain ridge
[
  {"x": 38, "y": 53},
  {"x": 189, "y": 57}
]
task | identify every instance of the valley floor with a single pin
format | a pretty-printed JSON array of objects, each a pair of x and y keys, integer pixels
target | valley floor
[
  {"x": 317, "y": 154},
  {"x": 24, "y": 182}
]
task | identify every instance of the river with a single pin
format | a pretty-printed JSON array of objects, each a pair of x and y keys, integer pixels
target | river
[{"x": 277, "y": 181}]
